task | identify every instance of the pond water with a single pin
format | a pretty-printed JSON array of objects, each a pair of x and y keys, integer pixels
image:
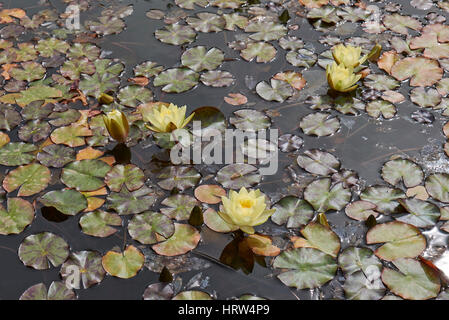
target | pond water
[{"x": 362, "y": 142}]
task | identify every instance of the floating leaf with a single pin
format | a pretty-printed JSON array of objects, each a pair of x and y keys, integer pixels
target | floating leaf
[
  {"x": 206, "y": 22},
  {"x": 250, "y": 120},
  {"x": 414, "y": 280},
  {"x": 437, "y": 185},
  {"x": 176, "y": 34},
  {"x": 319, "y": 124},
  {"x": 318, "y": 162},
  {"x": 126, "y": 202},
  {"x": 34, "y": 131},
  {"x": 72, "y": 69},
  {"x": 384, "y": 198},
  {"x": 16, "y": 154},
  {"x": 360, "y": 287},
  {"x": 292, "y": 211},
  {"x": 179, "y": 206},
  {"x": 29, "y": 71},
  {"x": 176, "y": 80},
  {"x": 399, "y": 23},
  {"x": 184, "y": 239},
  {"x": 148, "y": 226},
  {"x": 159, "y": 291},
  {"x": 9, "y": 117},
  {"x": 192, "y": 295},
  {"x": 99, "y": 223},
  {"x": 89, "y": 264},
  {"x": 422, "y": 71},
  {"x": 30, "y": 179},
  {"x": 18, "y": 215},
  {"x": 128, "y": 175},
  {"x": 209, "y": 193},
  {"x": 106, "y": 25},
  {"x": 266, "y": 31},
  {"x": 277, "y": 90},
  {"x": 131, "y": 96},
  {"x": 307, "y": 268},
  {"x": 57, "y": 291},
  {"x": 178, "y": 177},
  {"x": 382, "y": 108},
  {"x": 42, "y": 250},
  {"x": 72, "y": 136},
  {"x": 404, "y": 170},
  {"x": 216, "y": 223},
  {"x": 301, "y": 58},
  {"x": 355, "y": 259},
  {"x": 361, "y": 210},
  {"x": 56, "y": 156},
  {"x": 422, "y": 214},
  {"x": 85, "y": 175},
  {"x": 401, "y": 240},
  {"x": 124, "y": 264},
  {"x": 198, "y": 59},
  {"x": 319, "y": 237},
  {"x": 69, "y": 202},
  {"x": 262, "y": 51},
  {"x": 262, "y": 245},
  {"x": 236, "y": 176},
  {"x": 37, "y": 92},
  {"x": 217, "y": 79},
  {"x": 323, "y": 196}
]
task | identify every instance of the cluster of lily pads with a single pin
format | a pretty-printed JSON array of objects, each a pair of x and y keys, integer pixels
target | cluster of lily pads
[{"x": 59, "y": 151}]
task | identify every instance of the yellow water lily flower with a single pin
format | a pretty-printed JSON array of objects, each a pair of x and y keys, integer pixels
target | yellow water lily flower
[
  {"x": 349, "y": 56},
  {"x": 168, "y": 118},
  {"x": 340, "y": 78},
  {"x": 245, "y": 209},
  {"x": 117, "y": 125}
]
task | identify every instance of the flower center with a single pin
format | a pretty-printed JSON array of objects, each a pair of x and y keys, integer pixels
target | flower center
[{"x": 246, "y": 203}]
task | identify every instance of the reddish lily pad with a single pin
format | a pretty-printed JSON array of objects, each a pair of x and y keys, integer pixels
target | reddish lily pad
[
  {"x": 422, "y": 71},
  {"x": 184, "y": 239},
  {"x": 124, "y": 264}
]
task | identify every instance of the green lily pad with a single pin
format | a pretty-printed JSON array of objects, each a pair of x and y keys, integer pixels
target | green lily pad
[
  {"x": 148, "y": 226},
  {"x": 198, "y": 59},
  {"x": 383, "y": 197},
  {"x": 302, "y": 58},
  {"x": 147, "y": 69},
  {"x": 319, "y": 124},
  {"x": 131, "y": 96},
  {"x": 42, "y": 250},
  {"x": 176, "y": 34},
  {"x": 382, "y": 108},
  {"x": 318, "y": 162},
  {"x": 73, "y": 69},
  {"x": 355, "y": 259},
  {"x": 69, "y": 202},
  {"x": 266, "y": 30},
  {"x": 128, "y": 175},
  {"x": 238, "y": 175},
  {"x": 100, "y": 223},
  {"x": 307, "y": 268},
  {"x": 30, "y": 179},
  {"x": 51, "y": 46},
  {"x": 425, "y": 98},
  {"x": 179, "y": 206},
  {"x": 83, "y": 50},
  {"x": 250, "y": 120},
  {"x": 72, "y": 136},
  {"x": 217, "y": 79},
  {"x": 361, "y": 210},
  {"x": 360, "y": 287},
  {"x": 422, "y": 214},
  {"x": 29, "y": 71},
  {"x": 106, "y": 25},
  {"x": 192, "y": 295},
  {"x": 319, "y": 237},
  {"x": 37, "y": 92},
  {"x": 293, "y": 212},
  {"x": 125, "y": 202},
  {"x": 181, "y": 178},
  {"x": 184, "y": 239},
  {"x": 206, "y": 22},
  {"x": 34, "y": 130},
  {"x": 437, "y": 185},
  {"x": 404, "y": 170},
  {"x": 323, "y": 196},
  {"x": 57, "y": 291},
  {"x": 277, "y": 90},
  {"x": 56, "y": 156},
  {"x": 124, "y": 264},
  {"x": 85, "y": 175},
  {"x": 17, "y": 153},
  {"x": 414, "y": 280},
  {"x": 89, "y": 265},
  {"x": 9, "y": 117},
  {"x": 18, "y": 215},
  {"x": 401, "y": 240},
  {"x": 176, "y": 80},
  {"x": 263, "y": 52}
]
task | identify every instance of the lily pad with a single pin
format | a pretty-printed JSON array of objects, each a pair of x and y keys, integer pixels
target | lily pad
[
  {"x": 72, "y": 136},
  {"x": 148, "y": 226},
  {"x": 361, "y": 210},
  {"x": 293, "y": 212},
  {"x": 360, "y": 287},
  {"x": 209, "y": 193},
  {"x": 176, "y": 34},
  {"x": 324, "y": 196},
  {"x": 263, "y": 52},
  {"x": 132, "y": 96},
  {"x": 125, "y": 202},
  {"x": 318, "y": 162},
  {"x": 319, "y": 124},
  {"x": 236, "y": 176},
  {"x": 17, "y": 153},
  {"x": 89, "y": 265},
  {"x": 124, "y": 264},
  {"x": 383, "y": 197},
  {"x": 42, "y": 250},
  {"x": 192, "y": 295},
  {"x": 184, "y": 239},
  {"x": 56, "y": 156},
  {"x": 206, "y": 22},
  {"x": 422, "y": 214},
  {"x": 100, "y": 223},
  {"x": 85, "y": 175},
  {"x": 216, "y": 223},
  {"x": 355, "y": 259},
  {"x": 250, "y": 120},
  {"x": 404, "y": 170},
  {"x": 307, "y": 268},
  {"x": 179, "y": 206},
  {"x": 181, "y": 178},
  {"x": 437, "y": 185},
  {"x": 29, "y": 179},
  {"x": 69, "y": 202},
  {"x": 198, "y": 59},
  {"x": 176, "y": 80},
  {"x": 414, "y": 280},
  {"x": 18, "y": 215},
  {"x": 319, "y": 237},
  {"x": 57, "y": 291},
  {"x": 400, "y": 240},
  {"x": 422, "y": 71},
  {"x": 277, "y": 90},
  {"x": 128, "y": 175}
]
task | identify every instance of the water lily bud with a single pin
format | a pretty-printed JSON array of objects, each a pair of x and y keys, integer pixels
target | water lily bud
[
  {"x": 168, "y": 118},
  {"x": 340, "y": 78},
  {"x": 245, "y": 209},
  {"x": 105, "y": 98},
  {"x": 117, "y": 125}
]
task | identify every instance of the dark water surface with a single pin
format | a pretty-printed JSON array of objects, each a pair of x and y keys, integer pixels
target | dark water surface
[{"x": 362, "y": 144}]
